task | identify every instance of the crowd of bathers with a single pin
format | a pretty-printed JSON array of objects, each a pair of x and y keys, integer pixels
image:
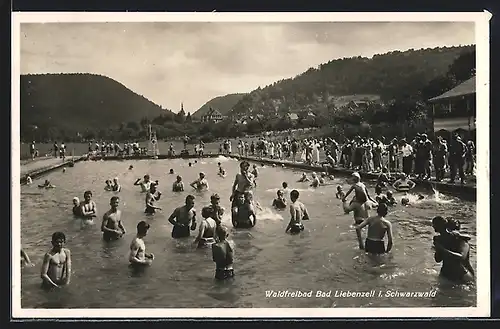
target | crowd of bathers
[{"x": 451, "y": 246}]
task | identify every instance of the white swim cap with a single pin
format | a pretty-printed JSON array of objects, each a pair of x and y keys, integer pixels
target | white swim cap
[
  {"x": 356, "y": 174},
  {"x": 76, "y": 199}
]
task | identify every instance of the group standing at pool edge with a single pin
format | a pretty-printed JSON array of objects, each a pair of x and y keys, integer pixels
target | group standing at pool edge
[{"x": 451, "y": 247}]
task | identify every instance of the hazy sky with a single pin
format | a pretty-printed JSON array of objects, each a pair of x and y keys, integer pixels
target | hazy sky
[{"x": 170, "y": 63}]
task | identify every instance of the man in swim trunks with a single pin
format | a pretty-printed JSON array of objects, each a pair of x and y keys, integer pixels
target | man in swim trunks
[
  {"x": 206, "y": 232},
  {"x": 56, "y": 266},
  {"x": 201, "y": 183},
  {"x": 243, "y": 182},
  {"x": 378, "y": 228},
  {"x": 138, "y": 255},
  {"x": 151, "y": 197},
  {"x": 89, "y": 208},
  {"x": 403, "y": 184},
  {"x": 298, "y": 213},
  {"x": 145, "y": 184},
  {"x": 112, "y": 227},
  {"x": 181, "y": 217},
  {"x": 280, "y": 201},
  {"x": 178, "y": 185},
  {"x": 222, "y": 255}
]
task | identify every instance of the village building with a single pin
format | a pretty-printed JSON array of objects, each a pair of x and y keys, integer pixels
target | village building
[{"x": 213, "y": 116}]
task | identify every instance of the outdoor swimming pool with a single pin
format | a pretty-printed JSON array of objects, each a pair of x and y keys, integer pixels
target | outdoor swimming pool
[{"x": 324, "y": 257}]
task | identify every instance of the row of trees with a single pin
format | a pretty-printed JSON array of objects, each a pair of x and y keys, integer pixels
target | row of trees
[{"x": 398, "y": 115}]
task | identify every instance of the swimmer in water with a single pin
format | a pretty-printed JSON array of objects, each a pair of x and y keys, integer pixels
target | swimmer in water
[
  {"x": 206, "y": 232},
  {"x": 145, "y": 184},
  {"x": 151, "y": 197},
  {"x": 243, "y": 182},
  {"x": 171, "y": 172},
  {"x": 190, "y": 164},
  {"x": 403, "y": 184},
  {"x": 383, "y": 178},
  {"x": 298, "y": 213},
  {"x": 315, "y": 181},
  {"x": 378, "y": 228},
  {"x": 64, "y": 170},
  {"x": 29, "y": 181},
  {"x": 56, "y": 266},
  {"x": 109, "y": 186},
  {"x": 77, "y": 208},
  {"x": 304, "y": 178},
  {"x": 201, "y": 183},
  {"x": 89, "y": 208},
  {"x": 178, "y": 185},
  {"x": 112, "y": 227},
  {"x": 222, "y": 255},
  {"x": 130, "y": 167},
  {"x": 181, "y": 217},
  {"x": 116, "y": 187},
  {"x": 340, "y": 193},
  {"x": 138, "y": 255},
  {"x": 279, "y": 202},
  {"x": 46, "y": 184},
  {"x": 391, "y": 201},
  {"x": 453, "y": 250},
  {"x": 215, "y": 207},
  {"x": 243, "y": 213},
  {"x": 284, "y": 189}
]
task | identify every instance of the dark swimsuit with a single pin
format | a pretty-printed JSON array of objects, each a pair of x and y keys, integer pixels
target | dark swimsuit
[
  {"x": 181, "y": 231},
  {"x": 110, "y": 236},
  {"x": 296, "y": 228},
  {"x": 374, "y": 246}
]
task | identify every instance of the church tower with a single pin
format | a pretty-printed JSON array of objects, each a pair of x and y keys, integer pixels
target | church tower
[{"x": 182, "y": 106}]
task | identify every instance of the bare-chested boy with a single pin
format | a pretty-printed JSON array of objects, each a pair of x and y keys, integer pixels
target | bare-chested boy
[
  {"x": 145, "y": 184},
  {"x": 151, "y": 197},
  {"x": 201, "y": 184},
  {"x": 222, "y": 255},
  {"x": 181, "y": 218},
  {"x": 298, "y": 213},
  {"x": 56, "y": 266},
  {"x": 112, "y": 227},
  {"x": 89, "y": 208},
  {"x": 378, "y": 228},
  {"x": 138, "y": 255}
]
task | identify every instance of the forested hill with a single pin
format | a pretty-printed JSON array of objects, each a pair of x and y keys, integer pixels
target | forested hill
[
  {"x": 391, "y": 76},
  {"x": 77, "y": 102},
  {"x": 223, "y": 104}
]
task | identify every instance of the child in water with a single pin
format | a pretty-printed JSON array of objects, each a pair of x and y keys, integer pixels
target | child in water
[
  {"x": 77, "y": 209},
  {"x": 46, "y": 184},
  {"x": 222, "y": 255},
  {"x": 109, "y": 186},
  {"x": 340, "y": 192},
  {"x": 280, "y": 201},
  {"x": 298, "y": 213},
  {"x": 390, "y": 199},
  {"x": 303, "y": 178}
]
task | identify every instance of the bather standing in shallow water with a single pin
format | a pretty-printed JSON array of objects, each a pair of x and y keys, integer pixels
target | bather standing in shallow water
[
  {"x": 454, "y": 251},
  {"x": 222, "y": 255},
  {"x": 206, "y": 232},
  {"x": 56, "y": 266},
  {"x": 378, "y": 228},
  {"x": 181, "y": 217}
]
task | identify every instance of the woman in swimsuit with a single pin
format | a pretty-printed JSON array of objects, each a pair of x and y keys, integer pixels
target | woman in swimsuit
[
  {"x": 178, "y": 185},
  {"x": 206, "y": 233},
  {"x": 77, "y": 208},
  {"x": 222, "y": 255}
]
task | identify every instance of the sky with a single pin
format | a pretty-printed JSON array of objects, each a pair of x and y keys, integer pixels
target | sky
[{"x": 193, "y": 62}]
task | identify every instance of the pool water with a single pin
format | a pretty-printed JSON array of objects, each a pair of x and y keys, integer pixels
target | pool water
[{"x": 324, "y": 257}]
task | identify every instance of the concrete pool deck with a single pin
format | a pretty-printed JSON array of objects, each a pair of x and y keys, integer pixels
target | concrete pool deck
[{"x": 38, "y": 168}]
